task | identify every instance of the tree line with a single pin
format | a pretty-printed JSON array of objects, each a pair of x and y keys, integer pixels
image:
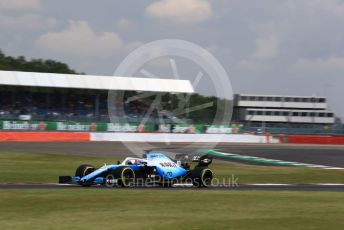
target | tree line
[{"x": 33, "y": 65}]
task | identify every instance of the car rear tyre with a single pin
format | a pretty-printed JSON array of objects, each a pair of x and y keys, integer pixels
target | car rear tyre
[
  {"x": 121, "y": 177},
  {"x": 111, "y": 180},
  {"x": 201, "y": 177},
  {"x": 126, "y": 177}
]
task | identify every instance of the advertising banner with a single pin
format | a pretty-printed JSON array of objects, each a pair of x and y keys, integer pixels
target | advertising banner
[
  {"x": 224, "y": 129},
  {"x": 117, "y": 127},
  {"x": 180, "y": 128},
  {"x": 74, "y": 126}
]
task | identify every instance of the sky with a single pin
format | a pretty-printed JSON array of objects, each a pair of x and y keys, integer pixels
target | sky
[{"x": 283, "y": 47}]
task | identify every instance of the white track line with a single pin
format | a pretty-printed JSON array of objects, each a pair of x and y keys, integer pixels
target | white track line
[{"x": 280, "y": 162}]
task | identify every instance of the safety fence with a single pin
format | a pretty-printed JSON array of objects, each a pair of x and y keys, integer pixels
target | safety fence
[
  {"x": 325, "y": 140},
  {"x": 43, "y": 136},
  {"x": 311, "y": 131},
  {"x": 117, "y": 127},
  {"x": 132, "y": 137}
]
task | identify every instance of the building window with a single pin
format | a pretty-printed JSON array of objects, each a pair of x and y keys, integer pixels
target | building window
[
  {"x": 322, "y": 100},
  {"x": 269, "y": 99},
  {"x": 243, "y": 98},
  {"x": 287, "y": 99},
  {"x": 295, "y": 114},
  {"x": 260, "y": 113},
  {"x": 330, "y": 115},
  {"x": 285, "y": 113},
  {"x": 268, "y": 113},
  {"x": 281, "y": 113},
  {"x": 305, "y": 99},
  {"x": 321, "y": 115},
  {"x": 251, "y": 112},
  {"x": 304, "y": 114}
]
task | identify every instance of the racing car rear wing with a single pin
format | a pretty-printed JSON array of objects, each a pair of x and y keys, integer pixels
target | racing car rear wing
[{"x": 203, "y": 161}]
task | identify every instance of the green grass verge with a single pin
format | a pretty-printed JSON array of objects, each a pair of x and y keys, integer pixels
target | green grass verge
[
  {"x": 169, "y": 209},
  {"x": 37, "y": 168},
  {"x": 274, "y": 174}
]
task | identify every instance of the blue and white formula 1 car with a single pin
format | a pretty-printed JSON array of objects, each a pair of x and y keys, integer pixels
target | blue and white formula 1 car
[{"x": 155, "y": 168}]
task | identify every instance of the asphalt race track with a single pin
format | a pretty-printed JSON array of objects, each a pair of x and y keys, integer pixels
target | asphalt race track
[
  {"x": 312, "y": 154},
  {"x": 242, "y": 187}
]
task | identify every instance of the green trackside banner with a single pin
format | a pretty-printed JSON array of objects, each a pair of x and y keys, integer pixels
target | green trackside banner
[
  {"x": 74, "y": 126},
  {"x": 224, "y": 129},
  {"x": 210, "y": 129},
  {"x": 117, "y": 127},
  {"x": 180, "y": 128}
]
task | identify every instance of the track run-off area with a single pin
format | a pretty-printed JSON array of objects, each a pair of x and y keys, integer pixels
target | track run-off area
[
  {"x": 241, "y": 187},
  {"x": 325, "y": 157},
  {"x": 263, "y": 160}
]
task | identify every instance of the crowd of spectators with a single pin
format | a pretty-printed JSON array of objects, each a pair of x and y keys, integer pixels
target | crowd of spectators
[{"x": 67, "y": 106}]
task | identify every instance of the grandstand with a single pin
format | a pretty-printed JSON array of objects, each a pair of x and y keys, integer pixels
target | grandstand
[
  {"x": 71, "y": 102},
  {"x": 49, "y": 104},
  {"x": 70, "y": 97},
  {"x": 291, "y": 110},
  {"x": 278, "y": 113}
]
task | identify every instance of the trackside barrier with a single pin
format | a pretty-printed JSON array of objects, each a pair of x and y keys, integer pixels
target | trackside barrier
[
  {"x": 44, "y": 136},
  {"x": 166, "y": 137},
  {"x": 325, "y": 140},
  {"x": 133, "y": 137},
  {"x": 170, "y": 137}
]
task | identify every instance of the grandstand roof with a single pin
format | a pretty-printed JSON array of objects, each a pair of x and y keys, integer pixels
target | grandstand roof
[{"x": 32, "y": 79}]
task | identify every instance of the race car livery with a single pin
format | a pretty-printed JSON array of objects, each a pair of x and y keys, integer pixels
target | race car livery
[{"x": 155, "y": 168}]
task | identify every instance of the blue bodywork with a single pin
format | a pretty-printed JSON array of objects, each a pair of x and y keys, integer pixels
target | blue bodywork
[{"x": 163, "y": 165}]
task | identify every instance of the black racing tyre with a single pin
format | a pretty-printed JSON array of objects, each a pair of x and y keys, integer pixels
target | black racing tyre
[
  {"x": 111, "y": 180},
  {"x": 84, "y": 170},
  {"x": 126, "y": 177},
  {"x": 122, "y": 177},
  {"x": 201, "y": 177}
]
